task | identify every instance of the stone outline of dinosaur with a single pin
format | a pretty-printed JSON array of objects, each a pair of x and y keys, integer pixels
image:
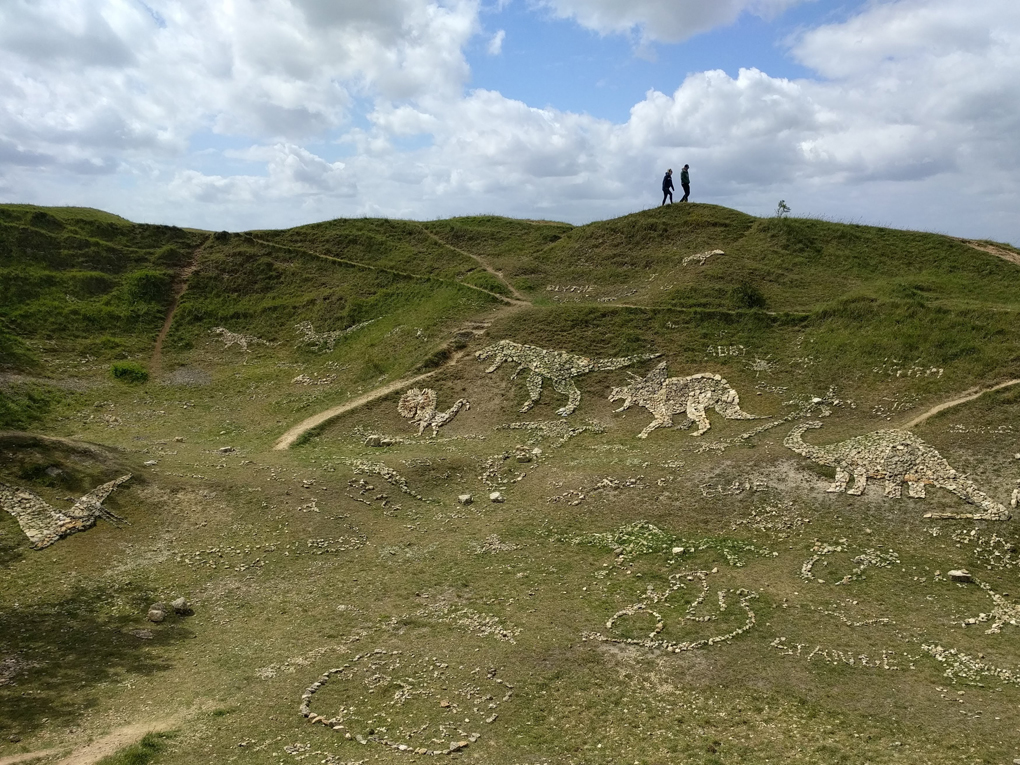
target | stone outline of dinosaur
[
  {"x": 236, "y": 338},
  {"x": 559, "y": 366},
  {"x": 318, "y": 339},
  {"x": 419, "y": 406},
  {"x": 899, "y": 457},
  {"x": 43, "y": 524},
  {"x": 664, "y": 397}
]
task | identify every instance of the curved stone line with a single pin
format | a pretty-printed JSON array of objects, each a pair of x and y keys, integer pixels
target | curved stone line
[
  {"x": 681, "y": 647},
  {"x": 334, "y": 723}
]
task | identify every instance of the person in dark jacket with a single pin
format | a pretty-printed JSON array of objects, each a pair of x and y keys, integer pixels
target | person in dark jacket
[
  {"x": 667, "y": 187},
  {"x": 685, "y": 182}
]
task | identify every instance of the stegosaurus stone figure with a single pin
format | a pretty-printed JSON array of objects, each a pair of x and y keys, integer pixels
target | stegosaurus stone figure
[
  {"x": 692, "y": 395},
  {"x": 419, "y": 406},
  {"x": 43, "y": 524},
  {"x": 899, "y": 457},
  {"x": 559, "y": 367}
]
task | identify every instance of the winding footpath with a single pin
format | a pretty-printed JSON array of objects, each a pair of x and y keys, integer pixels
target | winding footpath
[
  {"x": 963, "y": 399},
  {"x": 156, "y": 362}
]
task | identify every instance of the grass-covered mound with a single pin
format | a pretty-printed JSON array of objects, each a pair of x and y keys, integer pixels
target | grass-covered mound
[{"x": 672, "y": 599}]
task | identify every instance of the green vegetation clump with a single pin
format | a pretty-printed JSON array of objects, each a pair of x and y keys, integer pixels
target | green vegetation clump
[
  {"x": 129, "y": 372},
  {"x": 142, "y": 753}
]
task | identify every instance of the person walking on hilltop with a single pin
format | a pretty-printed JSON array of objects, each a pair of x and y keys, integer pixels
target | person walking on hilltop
[
  {"x": 685, "y": 182},
  {"x": 667, "y": 187}
]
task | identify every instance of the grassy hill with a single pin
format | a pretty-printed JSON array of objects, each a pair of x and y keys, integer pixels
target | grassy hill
[{"x": 680, "y": 598}]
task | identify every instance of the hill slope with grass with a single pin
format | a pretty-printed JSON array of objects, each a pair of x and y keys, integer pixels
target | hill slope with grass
[{"x": 772, "y": 589}]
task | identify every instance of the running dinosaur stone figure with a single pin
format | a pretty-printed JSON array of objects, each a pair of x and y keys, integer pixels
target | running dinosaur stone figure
[
  {"x": 419, "y": 406},
  {"x": 899, "y": 457},
  {"x": 43, "y": 524},
  {"x": 235, "y": 338},
  {"x": 559, "y": 367},
  {"x": 692, "y": 395}
]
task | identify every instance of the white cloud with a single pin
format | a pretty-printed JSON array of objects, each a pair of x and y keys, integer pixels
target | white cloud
[
  {"x": 664, "y": 20},
  {"x": 495, "y": 46},
  {"x": 913, "y": 120},
  {"x": 84, "y": 79}
]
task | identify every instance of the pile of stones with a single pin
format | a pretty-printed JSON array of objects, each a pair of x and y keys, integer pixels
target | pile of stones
[{"x": 159, "y": 611}]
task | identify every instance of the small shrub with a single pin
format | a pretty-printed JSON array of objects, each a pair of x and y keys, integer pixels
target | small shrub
[
  {"x": 747, "y": 295},
  {"x": 129, "y": 372}
]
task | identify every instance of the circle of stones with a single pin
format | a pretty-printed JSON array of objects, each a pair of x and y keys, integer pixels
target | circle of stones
[{"x": 336, "y": 723}]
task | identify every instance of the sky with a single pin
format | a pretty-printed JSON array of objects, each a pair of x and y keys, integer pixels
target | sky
[{"x": 241, "y": 114}]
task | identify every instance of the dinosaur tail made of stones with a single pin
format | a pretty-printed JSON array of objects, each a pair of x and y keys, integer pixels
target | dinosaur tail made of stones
[
  {"x": 606, "y": 365},
  {"x": 970, "y": 493},
  {"x": 444, "y": 417}
]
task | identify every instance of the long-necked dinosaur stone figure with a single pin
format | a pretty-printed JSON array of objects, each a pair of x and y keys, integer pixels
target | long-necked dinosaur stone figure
[
  {"x": 559, "y": 367},
  {"x": 419, "y": 406},
  {"x": 691, "y": 395},
  {"x": 899, "y": 457},
  {"x": 43, "y": 524}
]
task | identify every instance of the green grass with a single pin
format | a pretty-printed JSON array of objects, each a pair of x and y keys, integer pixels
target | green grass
[
  {"x": 145, "y": 751},
  {"x": 294, "y": 565}
]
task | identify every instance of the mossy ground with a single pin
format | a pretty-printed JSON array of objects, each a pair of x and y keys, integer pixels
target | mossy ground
[{"x": 294, "y": 567}]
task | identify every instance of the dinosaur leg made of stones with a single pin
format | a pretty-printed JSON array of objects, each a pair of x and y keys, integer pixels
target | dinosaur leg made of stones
[
  {"x": 915, "y": 489},
  {"x": 696, "y": 412},
  {"x": 893, "y": 487},
  {"x": 662, "y": 420},
  {"x": 839, "y": 485},
  {"x": 568, "y": 389},
  {"x": 534, "y": 383},
  {"x": 860, "y": 483}
]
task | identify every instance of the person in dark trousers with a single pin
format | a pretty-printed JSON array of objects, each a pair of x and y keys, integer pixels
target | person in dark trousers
[
  {"x": 667, "y": 187},
  {"x": 685, "y": 182}
]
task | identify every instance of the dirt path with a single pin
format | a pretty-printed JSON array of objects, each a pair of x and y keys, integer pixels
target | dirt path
[
  {"x": 101, "y": 747},
  {"x": 116, "y": 739},
  {"x": 968, "y": 396},
  {"x": 408, "y": 274},
  {"x": 156, "y": 362},
  {"x": 1011, "y": 255},
  {"x": 287, "y": 439},
  {"x": 480, "y": 261}
]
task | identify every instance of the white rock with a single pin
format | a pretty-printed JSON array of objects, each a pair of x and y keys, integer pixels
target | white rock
[
  {"x": 959, "y": 575},
  {"x": 497, "y": 497},
  {"x": 149, "y": 463},
  {"x": 465, "y": 499}
]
